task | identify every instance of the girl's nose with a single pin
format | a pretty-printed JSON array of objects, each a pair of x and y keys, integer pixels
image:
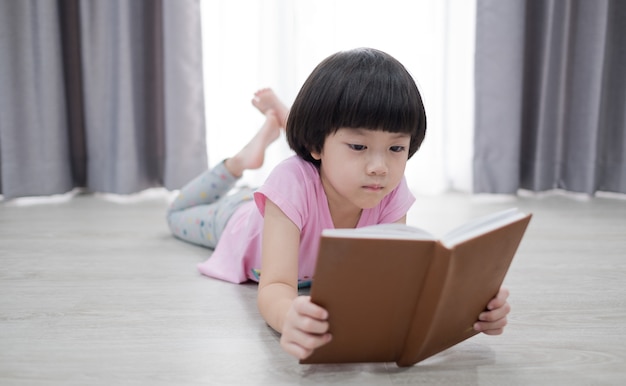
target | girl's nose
[{"x": 377, "y": 166}]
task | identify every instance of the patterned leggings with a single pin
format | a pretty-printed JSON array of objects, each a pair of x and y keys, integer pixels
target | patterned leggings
[{"x": 203, "y": 207}]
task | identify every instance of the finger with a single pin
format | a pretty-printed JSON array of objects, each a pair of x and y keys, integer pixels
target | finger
[
  {"x": 496, "y": 314},
  {"x": 491, "y": 328},
  {"x": 304, "y": 306},
  {"x": 310, "y": 341},
  {"x": 301, "y": 344},
  {"x": 296, "y": 350},
  {"x": 498, "y": 331},
  {"x": 310, "y": 325},
  {"x": 310, "y": 318},
  {"x": 499, "y": 299}
]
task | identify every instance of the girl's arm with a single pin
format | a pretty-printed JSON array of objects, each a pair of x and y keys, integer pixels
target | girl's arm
[
  {"x": 302, "y": 324},
  {"x": 402, "y": 220}
]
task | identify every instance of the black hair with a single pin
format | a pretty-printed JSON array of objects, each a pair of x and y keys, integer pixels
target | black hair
[{"x": 361, "y": 88}]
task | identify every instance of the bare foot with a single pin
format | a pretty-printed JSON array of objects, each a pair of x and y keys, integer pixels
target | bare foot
[
  {"x": 252, "y": 155},
  {"x": 265, "y": 99}
]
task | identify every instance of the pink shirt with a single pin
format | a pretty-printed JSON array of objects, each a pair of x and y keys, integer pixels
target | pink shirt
[{"x": 296, "y": 188}]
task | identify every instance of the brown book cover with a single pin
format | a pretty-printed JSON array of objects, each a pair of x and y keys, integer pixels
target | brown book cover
[{"x": 400, "y": 295}]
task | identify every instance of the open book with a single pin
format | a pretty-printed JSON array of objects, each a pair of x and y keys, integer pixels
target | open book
[{"x": 395, "y": 293}]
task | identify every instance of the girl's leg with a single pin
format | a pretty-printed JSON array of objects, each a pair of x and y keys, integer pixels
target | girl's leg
[
  {"x": 252, "y": 155},
  {"x": 205, "y": 189},
  {"x": 191, "y": 217},
  {"x": 202, "y": 208},
  {"x": 265, "y": 100},
  {"x": 204, "y": 224}
]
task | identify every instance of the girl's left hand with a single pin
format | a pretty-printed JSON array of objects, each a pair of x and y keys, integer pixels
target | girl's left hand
[{"x": 494, "y": 319}]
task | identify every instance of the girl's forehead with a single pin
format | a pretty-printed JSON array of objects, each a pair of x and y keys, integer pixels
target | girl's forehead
[
  {"x": 371, "y": 133},
  {"x": 367, "y": 131}
]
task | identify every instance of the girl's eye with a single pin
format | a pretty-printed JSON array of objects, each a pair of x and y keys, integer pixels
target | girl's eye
[
  {"x": 356, "y": 147},
  {"x": 397, "y": 149}
]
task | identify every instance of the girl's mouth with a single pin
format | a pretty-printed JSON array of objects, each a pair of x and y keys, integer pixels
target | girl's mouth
[{"x": 374, "y": 188}]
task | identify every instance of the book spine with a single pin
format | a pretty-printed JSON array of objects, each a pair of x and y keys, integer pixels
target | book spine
[{"x": 426, "y": 307}]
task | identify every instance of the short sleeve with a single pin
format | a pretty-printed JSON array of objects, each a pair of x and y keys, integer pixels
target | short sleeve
[{"x": 288, "y": 187}]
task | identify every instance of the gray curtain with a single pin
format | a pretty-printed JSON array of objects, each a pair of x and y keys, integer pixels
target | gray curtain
[
  {"x": 100, "y": 94},
  {"x": 550, "y": 96}
]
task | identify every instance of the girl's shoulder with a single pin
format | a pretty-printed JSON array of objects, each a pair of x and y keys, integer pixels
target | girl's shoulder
[
  {"x": 295, "y": 187},
  {"x": 297, "y": 168}
]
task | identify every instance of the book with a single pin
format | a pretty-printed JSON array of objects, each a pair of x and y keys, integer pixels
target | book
[{"x": 395, "y": 293}]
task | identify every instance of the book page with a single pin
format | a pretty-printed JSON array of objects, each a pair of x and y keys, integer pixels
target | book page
[
  {"x": 457, "y": 235},
  {"x": 480, "y": 226},
  {"x": 381, "y": 231}
]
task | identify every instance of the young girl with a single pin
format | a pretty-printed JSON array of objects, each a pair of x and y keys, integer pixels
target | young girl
[{"x": 354, "y": 124}]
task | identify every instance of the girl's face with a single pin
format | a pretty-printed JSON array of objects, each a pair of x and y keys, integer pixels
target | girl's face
[{"x": 359, "y": 167}]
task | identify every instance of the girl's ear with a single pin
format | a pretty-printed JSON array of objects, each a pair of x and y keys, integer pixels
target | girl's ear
[{"x": 316, "y": 156}]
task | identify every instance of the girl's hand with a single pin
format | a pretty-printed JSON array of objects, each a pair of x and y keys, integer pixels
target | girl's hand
[
  {"x": 493, "y": 321},
  {"x": 305, "y": 328}
]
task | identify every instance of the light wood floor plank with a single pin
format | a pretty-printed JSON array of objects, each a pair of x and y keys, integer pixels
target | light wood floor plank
[{"x": 98, "y": 293}]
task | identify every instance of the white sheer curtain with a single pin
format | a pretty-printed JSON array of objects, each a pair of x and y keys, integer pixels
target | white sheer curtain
[{"x": 249, "y": 44}]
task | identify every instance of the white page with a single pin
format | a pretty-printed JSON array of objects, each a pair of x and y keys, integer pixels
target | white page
[
  {"x": 381, "y": 231},
  {"x": 480, "y": 226},
  {"x": 457, "y": 235}
]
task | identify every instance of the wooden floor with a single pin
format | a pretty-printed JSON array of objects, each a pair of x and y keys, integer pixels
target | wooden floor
[{"x": 95, "y": 292}]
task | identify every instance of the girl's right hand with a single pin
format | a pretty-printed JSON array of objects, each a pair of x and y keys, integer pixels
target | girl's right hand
[{"x": 305, "y": 328}]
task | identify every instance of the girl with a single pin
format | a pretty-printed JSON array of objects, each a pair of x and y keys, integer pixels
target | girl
[{"x": 354, "y": 124}]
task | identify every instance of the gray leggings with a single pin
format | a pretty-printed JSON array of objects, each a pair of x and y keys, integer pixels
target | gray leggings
[{"x": 203, "y": 207}]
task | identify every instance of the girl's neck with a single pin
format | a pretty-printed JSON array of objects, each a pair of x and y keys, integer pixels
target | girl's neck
[
  {"x": 344, "y": 218},
  {"x": 343, "y": 213}
]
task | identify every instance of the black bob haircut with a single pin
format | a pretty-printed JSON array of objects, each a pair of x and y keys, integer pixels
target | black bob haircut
[{"x": 361, "y": 88}]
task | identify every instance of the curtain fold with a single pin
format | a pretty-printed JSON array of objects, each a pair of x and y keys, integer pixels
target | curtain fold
[
  {"x": 550, "y": 96},
  {"x": 85, "y": 96}
]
